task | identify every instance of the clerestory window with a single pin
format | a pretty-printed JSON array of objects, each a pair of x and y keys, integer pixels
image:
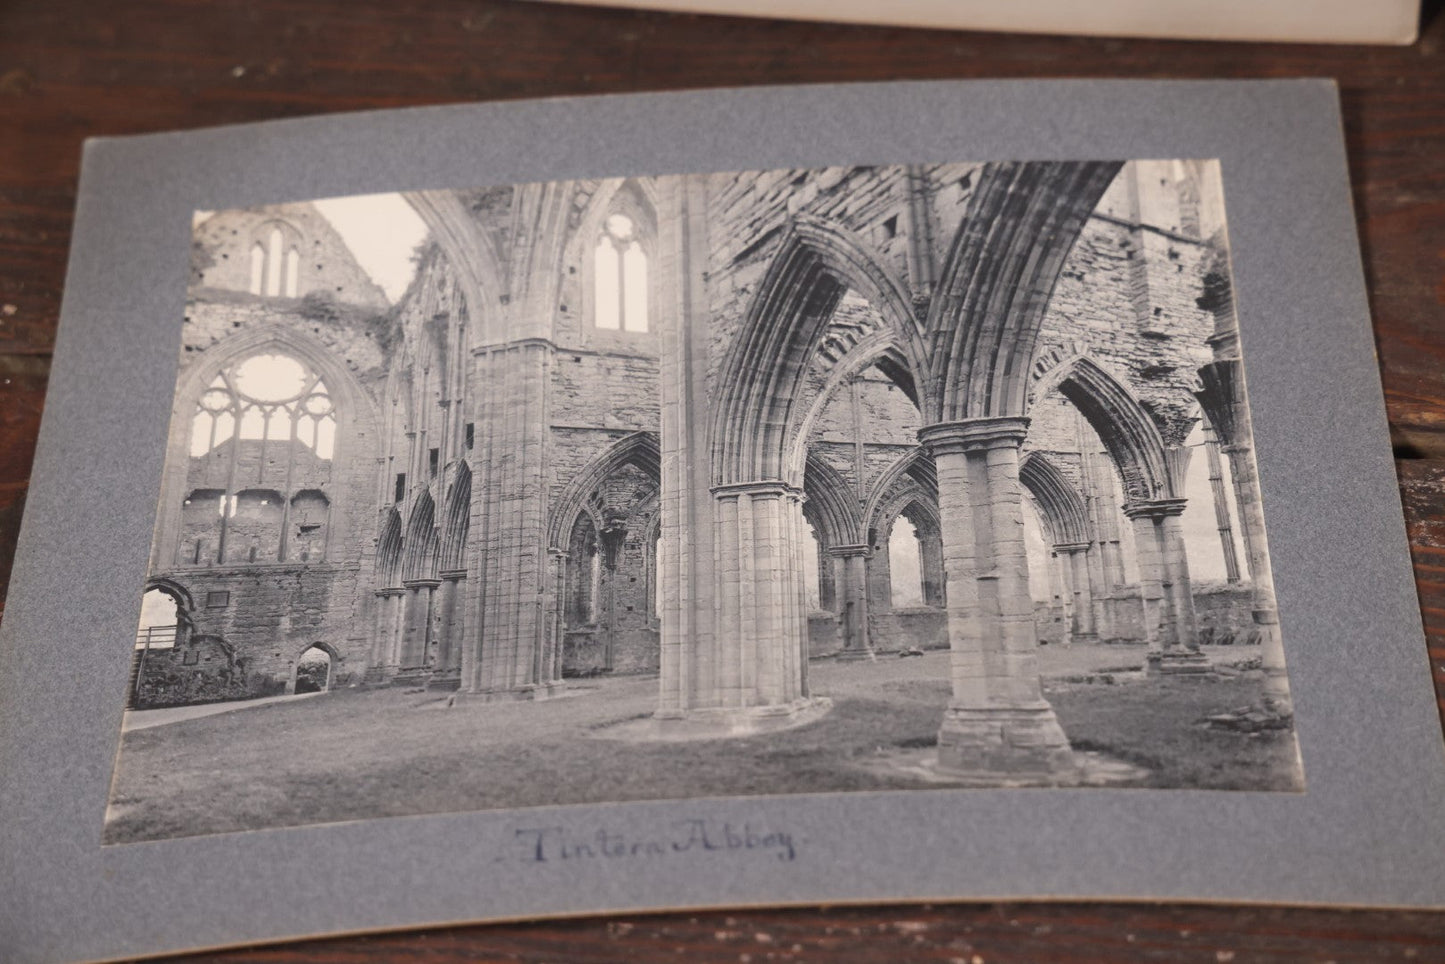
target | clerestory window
[{"x": 620, "y": 277}]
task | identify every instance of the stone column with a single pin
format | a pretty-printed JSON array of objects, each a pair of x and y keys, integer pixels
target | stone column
[
  {"x": 1223, "y": 399},
  {"x": 1164, "y": 578},
  {"x": 556, "y": 611},
  {"x": 507, "y": 558},
  {"x": 1075, "y": 557},
  {"x": 451, "y": 624},
  {"x": 1061, "y": 600},
  {"x": 1147, "y": 553},
  {"x": 761, "y": 638},
  {"x": 1221, "y": 505},
  {"x": 1265, "y": 609},
  {"x": 930, "y": 560},
  {"x": 418, "y": 636},
  {"x": 997, "y": 726},
  {"x": 851, "y": 563},
  {"x": 879, "y": 573}
]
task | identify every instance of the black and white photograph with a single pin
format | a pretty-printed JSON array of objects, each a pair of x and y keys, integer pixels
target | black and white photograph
[{"x": 922, "y": 478}]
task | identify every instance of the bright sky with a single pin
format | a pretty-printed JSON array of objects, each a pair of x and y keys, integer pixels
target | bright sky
[{"x": 381, "y": 230}]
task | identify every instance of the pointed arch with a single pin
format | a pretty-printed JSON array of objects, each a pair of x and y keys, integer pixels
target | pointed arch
[
  {"x": 458, "y": 519},
  {"x": 831, "y": 507},
  {"x": 420, "y": 547},
  {"x": 763, "y": 374},
  {"x": 880, "y": 348},
  {"x": 1064, "y": 513},
  {"x": 640, "y": 449},
  {"x": 1121, "y": 422},
  {"x": 469, "y": 249},
  {"x": 354, "y": 404},
  {"x": 388, "y": 551},
  {"x": 913, "y": 469},
  {"x": 997, "y": 280}
]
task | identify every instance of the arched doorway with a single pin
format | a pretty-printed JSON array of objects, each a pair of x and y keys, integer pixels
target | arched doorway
[
  {"x": 164, "y": 626},
  {"x": 314, "y": 670}
]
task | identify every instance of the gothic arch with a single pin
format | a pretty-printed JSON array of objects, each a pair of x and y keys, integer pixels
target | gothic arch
[
  {"x": 325, "y": 647},
  {"x": 830, "y": 508},
  {"x": 388, "y": 551},
  {"x": 355, "y": 414},
  {"x": 420, "y": 546},
  {"x": 1126, "y": 429},
  {"x": 997, "y": 280},
  {"x": 640, "y": 449},
  {"x": 763, "y": 375},
  {"x": 1063, "y": 510},
  {"x": 182, "y": 596},
  {"x": 457, "y": 520},
  {"x": 355, "y": 409},
  {"x": 637, "y": 201},
  {"x": 469, "y": 250},
  {"x": 880, "y": 348},
  {"x": 912, "y": 469}
]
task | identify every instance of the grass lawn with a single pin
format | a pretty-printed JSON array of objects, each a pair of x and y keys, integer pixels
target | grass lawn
[{"x": 361, "y": 754}]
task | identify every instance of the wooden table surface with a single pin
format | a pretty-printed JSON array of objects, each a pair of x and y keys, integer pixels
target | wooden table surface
[{"x": 70, "y": 70}]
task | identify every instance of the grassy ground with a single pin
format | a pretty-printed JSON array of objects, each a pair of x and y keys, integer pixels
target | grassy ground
[{"x": 362, "y": 754}]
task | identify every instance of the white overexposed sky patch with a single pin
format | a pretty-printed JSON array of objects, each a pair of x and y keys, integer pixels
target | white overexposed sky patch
[{"x": 382, "y": 231}]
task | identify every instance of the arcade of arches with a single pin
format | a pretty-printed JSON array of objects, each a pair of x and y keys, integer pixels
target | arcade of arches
[{"x": 713, "y": 427}]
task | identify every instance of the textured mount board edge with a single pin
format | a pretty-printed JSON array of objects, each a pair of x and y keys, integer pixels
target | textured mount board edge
[
  {"x": 1294, "y": 21},
  {"x": 1364, "y": 833}
]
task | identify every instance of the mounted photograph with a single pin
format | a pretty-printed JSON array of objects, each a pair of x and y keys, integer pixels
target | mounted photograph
[{"x": 931, "y": 478}]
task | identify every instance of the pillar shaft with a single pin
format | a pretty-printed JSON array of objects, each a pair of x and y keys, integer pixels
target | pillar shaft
[
  {"x": 1076, "y": 558},
  {"x": 997, "y": 723},
  {"x": 506, "y": 631},
  {"x": 1164, "y": 572},
  {"x": 1261, "y": 576},
  {"x": 851, "y": 565},
  {"x": 1223, "y": 397}
]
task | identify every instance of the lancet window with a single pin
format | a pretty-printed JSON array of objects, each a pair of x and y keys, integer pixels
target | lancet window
[
  {"x": 275, "y": 265},
  {"x": 620, "y": 276}
]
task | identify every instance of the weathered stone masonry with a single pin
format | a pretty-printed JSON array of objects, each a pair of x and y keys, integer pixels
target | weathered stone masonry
[{"x": 614, "y": 425}]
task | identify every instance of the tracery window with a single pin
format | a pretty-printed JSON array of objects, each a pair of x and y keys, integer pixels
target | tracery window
[
  {"x": 620, "y": 277},
  {"x": 262, "y": 437},
  {"x": 275, "y": 268}
]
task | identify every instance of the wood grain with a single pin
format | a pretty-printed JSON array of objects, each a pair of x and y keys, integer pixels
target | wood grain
[{"x": 71, "y": 70}]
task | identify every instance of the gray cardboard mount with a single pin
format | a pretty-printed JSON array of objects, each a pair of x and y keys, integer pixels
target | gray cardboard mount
[{"x": 1366, "y": 832}]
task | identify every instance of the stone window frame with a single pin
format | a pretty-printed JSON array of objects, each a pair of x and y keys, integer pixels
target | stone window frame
[
  {"x": 630, "y": 199},
  {"x": 289, "y": 261},
  {"x": 223, "y": 380}
]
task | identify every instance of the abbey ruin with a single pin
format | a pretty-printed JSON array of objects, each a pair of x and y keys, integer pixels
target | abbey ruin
[{"x": 714, "y": 428}]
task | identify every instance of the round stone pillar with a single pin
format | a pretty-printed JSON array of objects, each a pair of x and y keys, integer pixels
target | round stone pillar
[{"x": 998, "y": 727}]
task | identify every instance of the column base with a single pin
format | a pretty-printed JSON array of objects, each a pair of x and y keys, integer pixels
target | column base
[
  {"x": 1184, "y": 663},
  {"x": 1005, "y": 746},
  {"x": 532, "y": 691},
  {"x": 855, "y": 655},
  {"x": 719, "y": 723}
]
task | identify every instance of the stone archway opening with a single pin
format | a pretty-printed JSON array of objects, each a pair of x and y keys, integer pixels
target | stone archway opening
[{"x": 314, "y": 671}]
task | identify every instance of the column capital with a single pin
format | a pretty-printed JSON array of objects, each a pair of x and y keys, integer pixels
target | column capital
[
  {"x": 452, "y": 575},
  {"x": 557, "y": 553},
  {"x": 421, "y": 583},
  {"x": 767, "y": 488},
  {"x": 389, "y": 591},
  {"x": 844, "y": 552},
  {"x": 1073, "y": 547},
  {"x": 1155, "y": 508},
  {"x": 975, "y": 434}
]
